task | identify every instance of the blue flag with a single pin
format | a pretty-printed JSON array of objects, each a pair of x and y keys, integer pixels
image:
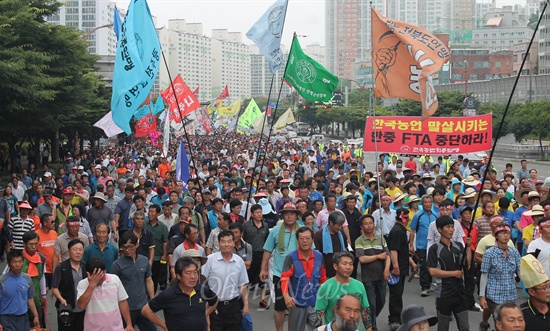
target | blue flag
[
  {"x": 267, "y": 31},
  {"x": 142, "y": 112},
  {"x": 159, "y": 106},
  {"x": 136, "y": 63},
  {"x": 182, "y": 166},
  {"x": 117, "y": 23}
]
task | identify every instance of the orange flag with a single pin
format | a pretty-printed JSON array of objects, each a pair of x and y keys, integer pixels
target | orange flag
[{"x": 405, "y": 57}]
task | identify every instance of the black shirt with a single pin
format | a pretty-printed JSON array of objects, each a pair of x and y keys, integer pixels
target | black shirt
[
  {"x": 145, "y": 242},
  {"x": 398, "y": 241},
  {"x": 182, "y": 311},
  {"x": 448, "y": 260},
  {"x": 354, "y": 225},
  {"x": 336, "y": 247},
  {"x": 534, "y": 320}
]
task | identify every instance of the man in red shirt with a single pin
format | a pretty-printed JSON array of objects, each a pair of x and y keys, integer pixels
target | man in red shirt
[
  {"x": 303, "y": 273},
  {"x": 410, "y": 164}
]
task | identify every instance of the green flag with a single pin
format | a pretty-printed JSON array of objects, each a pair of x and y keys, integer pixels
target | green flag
[
  {"x": 308, "y": 77},
  {"x": 251, "y": 112}
]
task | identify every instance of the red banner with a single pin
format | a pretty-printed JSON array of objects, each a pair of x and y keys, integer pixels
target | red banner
[
  {"x": 436, "y": 135},
  {"x": 187, "y": 100},
  {"x": 145, "y": 125}
]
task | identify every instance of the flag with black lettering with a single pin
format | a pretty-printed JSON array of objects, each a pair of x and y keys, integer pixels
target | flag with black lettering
[{"x": 405, "y": 57}]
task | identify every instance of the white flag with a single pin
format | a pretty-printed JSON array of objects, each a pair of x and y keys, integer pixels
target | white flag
[{"x": 108, "y": 125}]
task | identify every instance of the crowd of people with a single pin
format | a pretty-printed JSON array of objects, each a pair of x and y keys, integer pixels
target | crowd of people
[{"x": 115, "y": 237}]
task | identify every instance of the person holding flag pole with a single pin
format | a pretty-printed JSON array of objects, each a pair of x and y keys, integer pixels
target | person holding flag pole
[{"x": 267, "y": 33}]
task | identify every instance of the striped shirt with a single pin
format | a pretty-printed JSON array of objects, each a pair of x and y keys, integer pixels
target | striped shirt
[
  {"x": 102, "y": 312},
  {"x": 18, "y": 227}
]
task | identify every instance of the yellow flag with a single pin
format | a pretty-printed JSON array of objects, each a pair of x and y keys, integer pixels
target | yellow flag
[
  {"x": 214, "y": 106},
  {"x": 284, "y": 120},
  {"x": 231, "y": 110}
]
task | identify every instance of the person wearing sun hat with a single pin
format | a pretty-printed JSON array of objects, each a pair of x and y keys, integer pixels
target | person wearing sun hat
[
  {"x": 533, "y": 198},
  {"x": 541, "y": 245},
  {"x": 415, "y": 318},
  {"x": 532, "y": 231},
  {"x": 536, "y": 310},
  {"x": 280, "y": 241},
  {"x": 499, "y": 265},
  {"x": 19, "y": 225}
]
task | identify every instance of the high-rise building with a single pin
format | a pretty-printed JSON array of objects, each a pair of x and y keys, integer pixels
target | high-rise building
[
  {"x": 87, "y": 15},
  {"x": 544, "y": 42},
  {"x": 230, "y": 64},
  {"x": 261, "y": 77},
  {"x": 188, "y": 53}
]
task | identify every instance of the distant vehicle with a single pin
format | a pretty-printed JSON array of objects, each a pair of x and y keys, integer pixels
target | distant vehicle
[
  {"x": 278, "y": 138},
  {"x": 355, "y": 141},
  {"x": 336, "y": 141},
  {"x": 478, "y": 158},
  {"x": 291, "y": 134},
  {"x": 316, "y": 138},
  {"x": 302, "y": 128}
]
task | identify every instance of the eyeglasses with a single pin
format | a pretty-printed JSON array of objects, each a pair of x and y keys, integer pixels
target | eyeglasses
[
  {"x": 545, "y": 288},
  {"x": 128, "y": 247}
]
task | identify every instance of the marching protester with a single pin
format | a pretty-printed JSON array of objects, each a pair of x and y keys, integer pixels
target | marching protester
[
  {"x": 65, "y": 281},
  {"x": 536, "y": 309},
  {"x": 299, "y": 285},
  {"x": 17, "y": 304},
  {"x": 202, "y": 301},
  {"x": 372, "y": 252},
  {"x": 134, "y": 271},
  {"x": 226, "y": 275}
]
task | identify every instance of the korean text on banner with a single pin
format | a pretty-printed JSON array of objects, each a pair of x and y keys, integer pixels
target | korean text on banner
[
  {"x": 187, "y": 100},
  {"x": 136, "y": 63},
  {"x": 405, "y": 58},
  {"x": 436, "y": 135}
]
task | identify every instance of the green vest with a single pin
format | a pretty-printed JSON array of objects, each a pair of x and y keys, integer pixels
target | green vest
[{"x": 35, "y": 281}]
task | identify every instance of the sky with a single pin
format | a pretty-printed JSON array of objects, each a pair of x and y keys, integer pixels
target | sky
[{"x": 305, "y": 17}]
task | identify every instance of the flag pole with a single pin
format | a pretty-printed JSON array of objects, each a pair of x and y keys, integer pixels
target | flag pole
[
  {"x": 179, "y": 114},
  {"x": 373, "y": 112},
  {"x": 501, "y": 124},
  {"x": 271, "y": 127},
  {"x": 275, "y": 111}
]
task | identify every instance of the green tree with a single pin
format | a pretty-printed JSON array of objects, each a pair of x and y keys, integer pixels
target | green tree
[{"x": 46, "y": 75}]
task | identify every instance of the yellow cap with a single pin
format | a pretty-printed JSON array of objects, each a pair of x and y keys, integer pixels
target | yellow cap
[{"x": 532, "y": 271}]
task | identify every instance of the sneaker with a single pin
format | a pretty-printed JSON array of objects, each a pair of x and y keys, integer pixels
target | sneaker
[
  {"x": 426, "y": 293},
  {"x": 394, "y": 326},
  {"x": 474, "y": 308},
  {"x": 484, "y": 326},
  {"x": 263, "y": 304}
]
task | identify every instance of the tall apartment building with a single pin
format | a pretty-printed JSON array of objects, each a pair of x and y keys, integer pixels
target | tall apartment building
[
  {"x": 261, "y": 76},
  {"x": 544, "y": 42},
  {"x": 230, "y": 64},
  {"x": 188, "y": 53},
  {"x": 87, "y": 15}
]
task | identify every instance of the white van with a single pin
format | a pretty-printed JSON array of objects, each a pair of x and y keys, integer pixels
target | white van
[{"x": 316, "y": 138}]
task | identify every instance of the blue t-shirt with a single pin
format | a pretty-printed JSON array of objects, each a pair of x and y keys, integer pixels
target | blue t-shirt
[{"x": 421, "y": 223}]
